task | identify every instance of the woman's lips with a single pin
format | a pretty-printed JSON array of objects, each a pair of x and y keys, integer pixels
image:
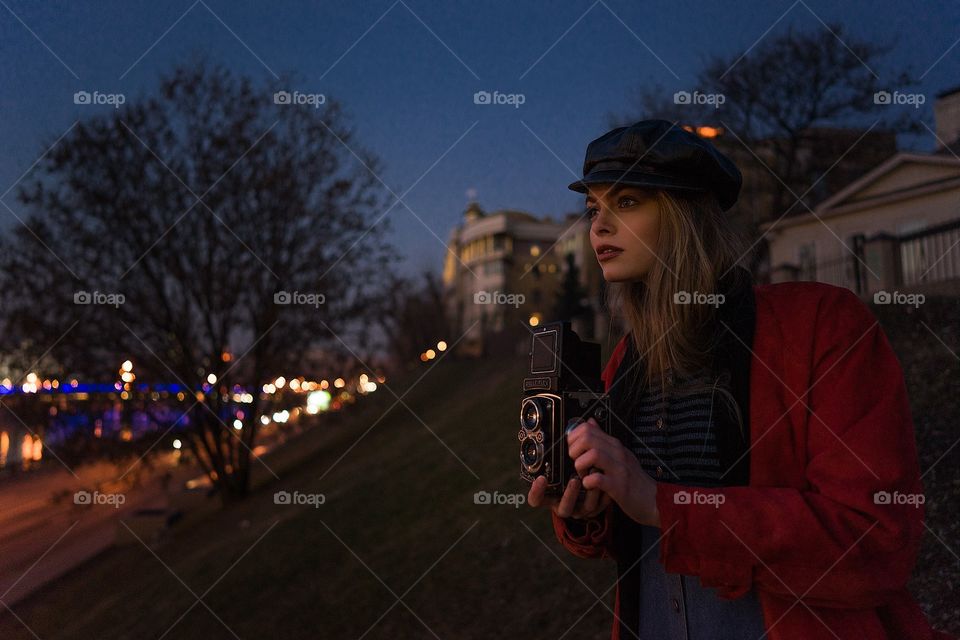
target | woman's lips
[{"x": 608, "y": 254}]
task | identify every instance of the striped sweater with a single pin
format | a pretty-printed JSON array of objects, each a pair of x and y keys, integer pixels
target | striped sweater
[{"x": 673, "y": 433}]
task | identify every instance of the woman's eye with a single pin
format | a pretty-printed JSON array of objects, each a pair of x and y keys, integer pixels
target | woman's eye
[
  {"x": 590, "y": 212},
  {"x": 627, "y": 201}
]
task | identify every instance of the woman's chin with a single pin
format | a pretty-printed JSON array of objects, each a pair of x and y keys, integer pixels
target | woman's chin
[{"x": 612, "y": 274}]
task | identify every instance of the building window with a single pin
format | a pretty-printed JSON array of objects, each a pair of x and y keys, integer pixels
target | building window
[
  {"x": 534, "y": 250},
  {"x": 494, "y": 267}
]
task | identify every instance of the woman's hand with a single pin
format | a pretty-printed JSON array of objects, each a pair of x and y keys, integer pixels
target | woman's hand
[
  {"x": 566, "y": 506},
  {"x": 617, "y": 472}
]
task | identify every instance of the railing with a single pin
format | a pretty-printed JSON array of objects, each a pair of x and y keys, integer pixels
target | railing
[
  {"x": 921, "y": 257},
  {"x": 930, "y": 255}
]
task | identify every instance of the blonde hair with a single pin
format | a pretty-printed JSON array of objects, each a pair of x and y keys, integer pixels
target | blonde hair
[{"x": 697, "y": 245}]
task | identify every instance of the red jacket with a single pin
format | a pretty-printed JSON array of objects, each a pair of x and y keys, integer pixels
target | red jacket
[{"x": 830, "y": 427}]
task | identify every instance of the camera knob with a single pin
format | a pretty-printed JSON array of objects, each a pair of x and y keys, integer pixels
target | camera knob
[
  {"x": 520, "y": 435},
  {"x": 539, "y": 436},
  {"x": 600, "y": 414}
]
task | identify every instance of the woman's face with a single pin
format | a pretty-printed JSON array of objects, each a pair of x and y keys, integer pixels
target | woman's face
[{"x": 624, "y": 229}]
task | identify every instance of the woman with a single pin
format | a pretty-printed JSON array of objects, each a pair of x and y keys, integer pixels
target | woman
[{"x": 762, "y": 478}]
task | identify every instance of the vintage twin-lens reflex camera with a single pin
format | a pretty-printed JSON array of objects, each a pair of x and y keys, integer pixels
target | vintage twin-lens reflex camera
[{"x": 563, "y": 389}]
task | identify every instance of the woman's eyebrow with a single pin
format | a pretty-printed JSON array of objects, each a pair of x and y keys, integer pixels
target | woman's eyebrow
[{"x": 614, "y": 191}]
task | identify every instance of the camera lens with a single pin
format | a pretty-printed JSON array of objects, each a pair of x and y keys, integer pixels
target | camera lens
[
  {"x": 530, "y": 415},
  {"x": 530, "y": 453}
]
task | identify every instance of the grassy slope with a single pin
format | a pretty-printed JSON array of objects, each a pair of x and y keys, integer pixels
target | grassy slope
[{"x": 399, "y": 500}]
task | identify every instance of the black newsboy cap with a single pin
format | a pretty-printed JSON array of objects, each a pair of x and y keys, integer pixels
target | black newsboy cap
[{"x": 659, "y": 154}]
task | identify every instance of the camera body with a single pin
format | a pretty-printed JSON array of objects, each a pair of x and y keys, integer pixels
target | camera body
[{"x": 562, "y": 390}]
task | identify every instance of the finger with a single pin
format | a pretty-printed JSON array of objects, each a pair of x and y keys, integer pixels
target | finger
[
  {"x": 594, "y": 459},
  {"x": 598, "y": 480},
  {"x": 605, "y": 500},
  {"x": 538, "y": 496},
  {"x": 582, "y": 428},
  {"x": 537, "y": 488},
  {"x": 590, "y": 502},
  {"x": 592, "y": 439},
  {"x": 569, "y": 499},
  {"x": 585, "y": 461}
]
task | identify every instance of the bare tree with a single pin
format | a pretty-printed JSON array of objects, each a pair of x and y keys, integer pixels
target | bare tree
[
  {"x": 214, "y": 234},
  {"x": 783, "y": 107},
  {"x": 412, "y": 317}
]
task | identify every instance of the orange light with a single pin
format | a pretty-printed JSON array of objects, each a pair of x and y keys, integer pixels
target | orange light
[{"x": 709, "y": 132}]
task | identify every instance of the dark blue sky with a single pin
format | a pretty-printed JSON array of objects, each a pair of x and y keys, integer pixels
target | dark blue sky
[{"x": 411, "y": 95}]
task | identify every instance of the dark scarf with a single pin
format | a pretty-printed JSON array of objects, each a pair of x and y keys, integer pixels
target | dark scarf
[{"x": 731, "y": 355}]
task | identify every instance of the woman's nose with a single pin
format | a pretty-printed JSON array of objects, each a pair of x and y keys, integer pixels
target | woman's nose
[{"x": 603, "y": 222}]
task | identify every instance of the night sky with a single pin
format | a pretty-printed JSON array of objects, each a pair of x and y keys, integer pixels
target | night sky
[{"x": 406, "y": 72}]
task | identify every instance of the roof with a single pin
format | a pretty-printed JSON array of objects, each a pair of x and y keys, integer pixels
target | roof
[{"x": 940, "y": 178}]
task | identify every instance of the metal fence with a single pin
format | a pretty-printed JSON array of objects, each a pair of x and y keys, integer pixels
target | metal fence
[
  {"x": 930, "y": 255},
  {"x": 912, "y": 259}
]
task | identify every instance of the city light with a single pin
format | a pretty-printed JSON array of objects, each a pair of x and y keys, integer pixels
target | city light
[{"x": 318, "y": 401}]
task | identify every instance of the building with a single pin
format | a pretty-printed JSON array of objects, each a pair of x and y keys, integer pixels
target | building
[
  {"x": 503, "y": 271},
  {"x": 897, "y": 227}
]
